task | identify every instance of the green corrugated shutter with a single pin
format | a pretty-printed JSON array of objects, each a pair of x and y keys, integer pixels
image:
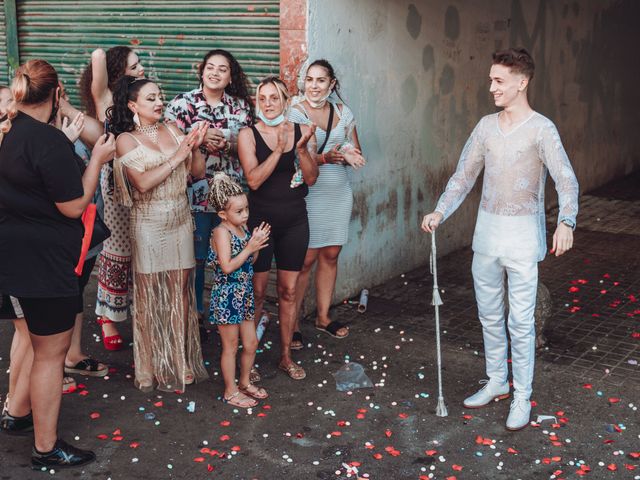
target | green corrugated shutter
[
  {"x": 171, "y": 37},
  {"x": 4, "y": 75}
]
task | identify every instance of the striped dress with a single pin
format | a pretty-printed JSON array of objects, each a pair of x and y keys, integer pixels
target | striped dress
[{"x": 330, "y": 199}]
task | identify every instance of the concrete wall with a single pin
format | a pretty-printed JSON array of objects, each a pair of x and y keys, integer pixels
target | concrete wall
[{"x": 416, "y": 76}]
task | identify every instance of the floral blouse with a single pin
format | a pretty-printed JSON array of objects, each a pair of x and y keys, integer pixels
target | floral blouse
[{"x": 231, "y": 115}]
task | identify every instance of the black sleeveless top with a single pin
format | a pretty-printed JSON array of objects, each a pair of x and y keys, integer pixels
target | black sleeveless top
[{"x": 276, "y": 190}]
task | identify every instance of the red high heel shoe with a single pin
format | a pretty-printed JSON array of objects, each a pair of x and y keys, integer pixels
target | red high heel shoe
[{"x": 113, "y": 342}]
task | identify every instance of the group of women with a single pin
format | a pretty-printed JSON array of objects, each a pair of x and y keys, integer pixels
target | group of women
[{"x": 160, "y": 236}]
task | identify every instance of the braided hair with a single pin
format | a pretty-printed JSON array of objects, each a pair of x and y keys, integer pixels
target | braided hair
[{"x": 221, "y": 188}]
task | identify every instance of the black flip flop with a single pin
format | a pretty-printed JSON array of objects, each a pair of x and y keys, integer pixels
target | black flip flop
[
  {"x": 297, "y": 337},
  {"x": 332, "y": 329},
  {"x": 88, "y": 367}
]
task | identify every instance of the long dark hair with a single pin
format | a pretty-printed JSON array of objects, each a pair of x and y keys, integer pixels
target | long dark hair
[
  {"x": 119, "y": 116},
  {"x": 239, "y": 86},
  {"x": 116, "y": 66},
  {"x": 321, "y": 62}
]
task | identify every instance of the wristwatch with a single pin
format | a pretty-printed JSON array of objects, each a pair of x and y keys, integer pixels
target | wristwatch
[{"x": 569, "y": 223}]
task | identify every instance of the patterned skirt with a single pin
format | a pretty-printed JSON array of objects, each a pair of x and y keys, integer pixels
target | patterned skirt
[{"x": 114, "y": 263}]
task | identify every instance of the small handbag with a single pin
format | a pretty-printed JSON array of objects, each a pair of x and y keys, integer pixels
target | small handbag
[{"x": 95, "y": 232}]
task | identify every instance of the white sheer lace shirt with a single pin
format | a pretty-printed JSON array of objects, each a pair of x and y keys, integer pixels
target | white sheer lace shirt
[{"x": 511, "y": 217}]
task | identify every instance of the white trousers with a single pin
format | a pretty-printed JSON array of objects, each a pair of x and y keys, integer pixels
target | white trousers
[{"x": 522, "y": 279}]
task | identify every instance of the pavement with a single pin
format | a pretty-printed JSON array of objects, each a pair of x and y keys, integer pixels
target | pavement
[{"x": 586, "y": 390}]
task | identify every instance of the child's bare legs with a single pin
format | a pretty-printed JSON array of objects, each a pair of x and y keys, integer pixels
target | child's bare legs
[
  {"x": 229, "y": 337},
  {"x": 249, "y": 346}
]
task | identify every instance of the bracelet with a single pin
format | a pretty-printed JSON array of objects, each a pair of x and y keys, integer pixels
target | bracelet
[{"x": 323, "y": 160}]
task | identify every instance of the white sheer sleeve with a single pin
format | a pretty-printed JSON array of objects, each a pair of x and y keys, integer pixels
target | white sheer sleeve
[
  {"x": 461, "y": 182},
  {"x": 557, "y": 162}
]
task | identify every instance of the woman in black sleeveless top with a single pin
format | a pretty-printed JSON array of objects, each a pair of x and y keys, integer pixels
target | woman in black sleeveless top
[{"x": 277, "y": 163}]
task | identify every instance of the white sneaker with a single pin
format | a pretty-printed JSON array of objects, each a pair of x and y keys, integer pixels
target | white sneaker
[
  {"x": 519, "y": 414},
  {"x": 487, "y": 394}
]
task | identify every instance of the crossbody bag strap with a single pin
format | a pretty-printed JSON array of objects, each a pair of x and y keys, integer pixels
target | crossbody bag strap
[{"x": 328, "y": 130}]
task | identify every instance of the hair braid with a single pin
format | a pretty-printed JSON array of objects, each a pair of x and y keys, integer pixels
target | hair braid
[{"x": 221, "y": 188}]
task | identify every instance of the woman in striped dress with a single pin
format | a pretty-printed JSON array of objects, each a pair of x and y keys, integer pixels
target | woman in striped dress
[{"x": 330, "y": 200}]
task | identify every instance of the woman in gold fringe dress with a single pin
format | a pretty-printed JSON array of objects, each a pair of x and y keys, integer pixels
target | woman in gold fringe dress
[{"x": 151, "y": 167}]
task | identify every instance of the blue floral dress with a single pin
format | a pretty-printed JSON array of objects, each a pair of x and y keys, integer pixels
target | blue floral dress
[{"x": 232, "y": 294}]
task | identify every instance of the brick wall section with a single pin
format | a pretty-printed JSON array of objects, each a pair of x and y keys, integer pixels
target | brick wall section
[{"x": 293, "y": 40}]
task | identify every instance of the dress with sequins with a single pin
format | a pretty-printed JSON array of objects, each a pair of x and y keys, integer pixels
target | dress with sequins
[{"x": 166, "y": 339}]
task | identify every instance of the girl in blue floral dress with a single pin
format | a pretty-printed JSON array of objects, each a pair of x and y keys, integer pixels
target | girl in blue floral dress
[{"x": 231, "y": 254}]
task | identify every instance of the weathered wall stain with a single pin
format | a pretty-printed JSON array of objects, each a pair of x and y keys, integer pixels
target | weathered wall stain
[
  {"x": 414, "y": 21},
  {"x": 428, "y": 58},
  {"x": 409, "y": 93},
  {"x": 389, "y": 207},
  {"x": 447, "y": 80},
  {"x": 452, "y": 23}
]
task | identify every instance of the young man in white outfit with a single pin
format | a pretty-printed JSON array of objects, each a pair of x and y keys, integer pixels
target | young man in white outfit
[{"x": 516, "y": 147}]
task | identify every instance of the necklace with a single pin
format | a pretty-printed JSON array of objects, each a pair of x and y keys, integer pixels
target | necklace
[{"x": 150, "y": 131}]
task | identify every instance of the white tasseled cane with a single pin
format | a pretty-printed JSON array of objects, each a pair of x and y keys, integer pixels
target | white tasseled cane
[{"x": 436, "y": 301}]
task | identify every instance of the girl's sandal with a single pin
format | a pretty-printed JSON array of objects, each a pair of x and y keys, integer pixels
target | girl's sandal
[
  {"x": 254, "y": 375},
  {"x": 253, "y": 391},
  {"x": 240, "y": 400},
  {"x": 295, "y": 371},
  {"x": 113, "y": 342}
]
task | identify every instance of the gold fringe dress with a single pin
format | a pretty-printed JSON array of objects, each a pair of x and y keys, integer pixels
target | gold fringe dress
[{"x": 166, "y": 338}]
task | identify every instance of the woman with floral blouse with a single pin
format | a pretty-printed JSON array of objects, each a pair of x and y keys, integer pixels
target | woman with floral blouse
[{"x": 222, "y": 99}]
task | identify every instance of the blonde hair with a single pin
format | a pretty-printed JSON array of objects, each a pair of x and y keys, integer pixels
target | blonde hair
[
  {"x": 32, "y": 84},
  {"x": 221, "y": 188},
  {"x": 283, "y": 92}
]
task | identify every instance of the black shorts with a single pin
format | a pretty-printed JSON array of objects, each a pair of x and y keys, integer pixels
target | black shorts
[
  {"x": 49, "y": 316},
  {"x": 10, "y": 308},
  {"x": 288, "y": 244}
]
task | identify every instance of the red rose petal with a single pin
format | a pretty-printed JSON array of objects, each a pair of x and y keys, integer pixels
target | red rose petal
[
  {"x": 224, "y": 438},
  {"x": 431, "y": 453},
  {"x": 94, "y": 415},
  {"x": 134, "y": 445},
  {"x": 199, "y": 459},
  {"x": 377, "y": 456},
  {"x": 612, "y": 467},
  {"x": 225, "y": 423},
  {"x": 158, "y": 404},
  {"x": 388, "y": 433},
  {"x": 512, "y": 450},
  {"x": 457, "y": 468}
]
